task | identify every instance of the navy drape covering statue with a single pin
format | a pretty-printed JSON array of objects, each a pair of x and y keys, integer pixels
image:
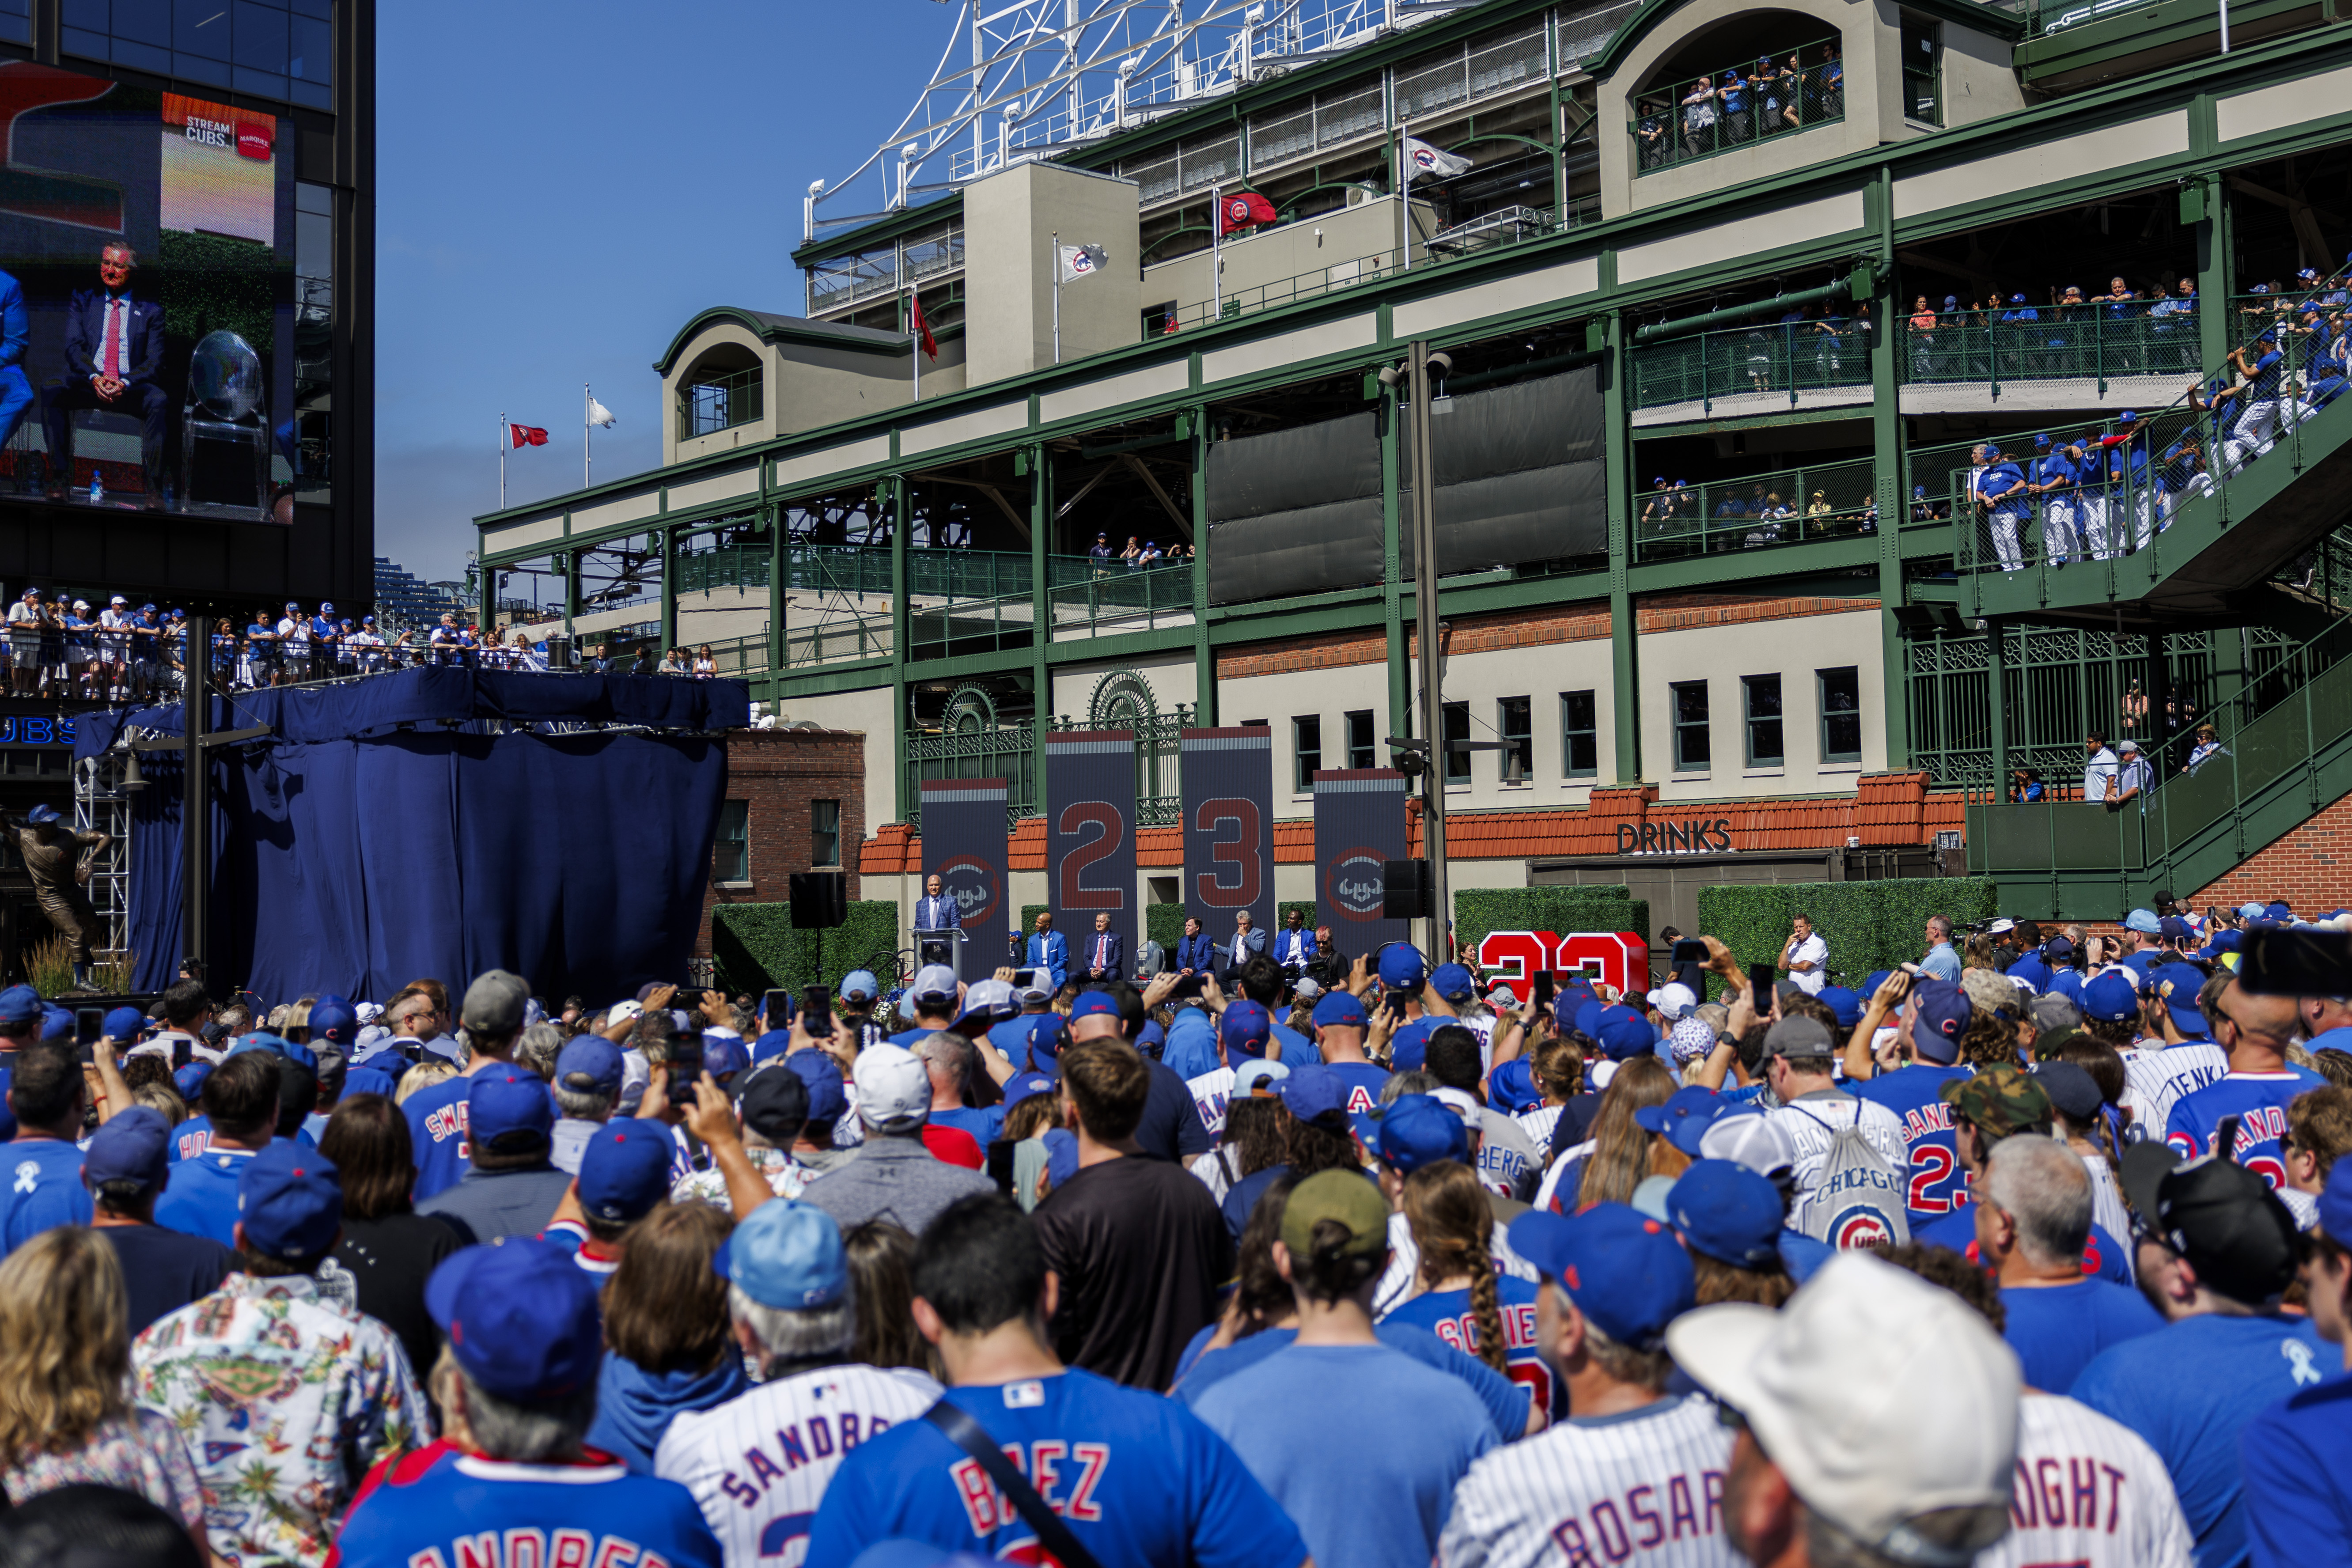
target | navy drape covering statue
[{"x": 366, "y": 843}]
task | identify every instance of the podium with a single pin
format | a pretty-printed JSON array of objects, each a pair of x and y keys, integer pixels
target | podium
[{"x": 941, "y": 946}]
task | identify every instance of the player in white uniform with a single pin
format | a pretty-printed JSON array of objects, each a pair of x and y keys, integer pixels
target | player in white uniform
[
  {"x": 757, "y": 1466},
  {"x": 1643, "y": 1486},
  {"x": 2089, "y": 1491}
]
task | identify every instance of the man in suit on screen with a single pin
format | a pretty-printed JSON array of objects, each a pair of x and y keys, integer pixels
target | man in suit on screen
[{"x": 114, "y": 352}]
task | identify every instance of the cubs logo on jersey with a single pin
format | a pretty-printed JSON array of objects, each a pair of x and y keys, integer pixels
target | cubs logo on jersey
[{"x": 1861, "y": 1227}]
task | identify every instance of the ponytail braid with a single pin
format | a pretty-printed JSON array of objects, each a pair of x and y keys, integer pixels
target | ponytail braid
[{"x": 1486, "y": 1313}]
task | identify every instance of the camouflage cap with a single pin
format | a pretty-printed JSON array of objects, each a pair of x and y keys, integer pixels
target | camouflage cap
[{"x": 2000, "y": 1101}]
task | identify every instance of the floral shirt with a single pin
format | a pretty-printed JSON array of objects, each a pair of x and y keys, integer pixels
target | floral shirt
[
  {"x": 284, "y": 1396},
  {"x": 136, "y": 1452},
  {"x": 785, "y": 1177}
]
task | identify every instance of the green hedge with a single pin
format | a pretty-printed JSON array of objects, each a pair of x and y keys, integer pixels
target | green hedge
[
  {"x": 1868, "y": 925},
  {"x": 756, "y": 948},
  {"x": 1477, "y": 911}
]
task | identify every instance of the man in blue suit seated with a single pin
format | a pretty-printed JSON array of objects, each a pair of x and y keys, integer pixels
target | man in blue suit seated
[
  {"x": 1294, "y": 948},
  {"x": 1195, "y": 953},
  {"x": 114, "y": 350},
  {"x": 935, "y": 910},
  {"x": 1105, "y": 953},
  {"x": 1049, "y": 949},
  {"x": 15, "y": 332},
  {"x": 1247, "y": 944}
]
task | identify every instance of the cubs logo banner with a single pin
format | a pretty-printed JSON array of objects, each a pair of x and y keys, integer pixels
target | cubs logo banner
[
  {"x": 1228, "y": 827},
  {"x": 1091, "y": 838},
  {"x": 1359, "y": 824},
  {"x": 964, "y": 848}
]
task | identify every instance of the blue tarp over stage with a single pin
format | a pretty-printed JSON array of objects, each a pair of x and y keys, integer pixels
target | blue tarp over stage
[{"x": 440, "y": 822}]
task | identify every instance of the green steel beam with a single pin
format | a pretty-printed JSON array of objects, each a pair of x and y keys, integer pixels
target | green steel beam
[
  {"x": 1041, "y": 598},
  {"x": 1392, "y": 566},
  {"x": 1887, "y": 473},
  {"x": 1205, "y": 656},
  {"x": 1624, "y": 644},
  {"x": 851, "y": 674},
  {"x": 901, "y": 503}
]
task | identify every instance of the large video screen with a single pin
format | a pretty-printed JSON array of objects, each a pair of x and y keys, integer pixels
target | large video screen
[{"x": 149, "y": 311}]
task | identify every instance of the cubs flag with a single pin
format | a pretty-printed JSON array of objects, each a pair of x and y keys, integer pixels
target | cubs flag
[
  {"x": 527, "y": 434},
  {"x": 1090, "y": 834},
  {"x": 1082, "y": 261},
  {"x": 964, "y": 848},
  {"x": 1228, "y": 826},
  {"x": 1433, "y": 163},
  {"x": 1359, "y": 824},
  {"x": 1244, "y": 209}
]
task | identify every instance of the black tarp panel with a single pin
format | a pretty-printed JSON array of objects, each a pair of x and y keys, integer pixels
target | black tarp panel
[{"x": 1294, "y": 512}]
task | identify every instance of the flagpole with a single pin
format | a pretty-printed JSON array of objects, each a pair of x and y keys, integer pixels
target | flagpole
[
  {"x": 587, "y": 434},
  {"x": 1054, "y": 241},
  {"x": 503, "y": 438},
  {"x": 1217, "y": 254},
  {"x": 1404, "y": 177},
  {"x": 915, "y": 342}
]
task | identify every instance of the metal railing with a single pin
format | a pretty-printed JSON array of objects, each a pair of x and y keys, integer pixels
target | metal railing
[
  {"x": 2079, "y": 341},
  {"x": 721, "y": 401},
  {"x": 1121, "y": 601},
  {"x": 2131, "y": 481},
  {"x": 1784, "y": 357},
  {"x": 1821, "y": 501},
  {"x": 1790, "y": 89}
]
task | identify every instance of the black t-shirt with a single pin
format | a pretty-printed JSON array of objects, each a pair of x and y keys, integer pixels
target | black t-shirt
[
  {"x": 1575, "y": 1123},
  {"x": 1171, "y": 1128},
  {"x": 1141, "y": 1249},
  {"x": 391, "y": 1258},
  {"x": 164, "y": 1270}
]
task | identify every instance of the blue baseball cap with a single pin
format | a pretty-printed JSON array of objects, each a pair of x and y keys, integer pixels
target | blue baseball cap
[
  {"x": 1048, "y": 1037},
  {"x": 334, "y": 1022},
  {"x": 521, "y": 1317},
  {"x": 1943, "y": 1018},
  {"x": 1684, "y": 1119},
  {"x": 262, "y": 1040},
  {"x": 290, "y": 1198},
  {"x": 723, "y": 1057},
  {"x": 1624, "y": 1034},
  {"x": 1453, "y": 982},
  {"x": 2173, "y": 929},
  {"x": 56, "y": 1024},
  {"x": 1624, "y": 1271},
  {"x": 359, "y": 1080},
  {"x": 2336, "y": 1201},
  {"x": 1846, "y": 1005},
  {"x": 123, "y": 1024},
  {"x": 1091, "y": 1002},
  {"x": 1727, "y": 1212},
  {"x": 1061, "y": 1154},
  {"x": 2042, "y": 443},
  {"x": 1401, "y": 966},
  {"x": 509, "y": 1100},
  {"x": 625, "y": 1169},
  {"x": 19, "y": 1004},
  {"x": 1589, "y": 1017},
  {"x": 1311, "y": 1091},
  {"x": 861, "y": 983},
  {"x": 133, "y": 1145},
  {"x": 1339, "y": 1008},
  {"x": 1511, "y": 1087},
  {"x": 44, "y": 814},
  {"x": 1245, "y": 1027},
  {"x": 827, "y": 1101},
  {"x": 592, "y": 1059},
  {"x": 189, "y": 1081},
  {"x": 2176, "y": 985},
  {"x": 1412, "y": 1131},
  {"x": 774, "y": 1043},
  {"x": 2110, "y": 998},
  {"x": 2222, "y": 941},
  {"x": 2278, "y": 910},
  {"x": 1022, "y": 1084},
  {"x": 787, "y": 1256},
  {"x": 2144, "y": 921}
]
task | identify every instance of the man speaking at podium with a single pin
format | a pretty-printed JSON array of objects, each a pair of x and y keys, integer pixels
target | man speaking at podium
[{"x": 935, "y": 910}]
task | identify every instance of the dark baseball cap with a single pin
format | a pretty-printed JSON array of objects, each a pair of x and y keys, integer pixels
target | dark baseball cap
[
  {"x": 520, "y": 1317},
  {"x": 828, "y": 1099},
  {"x": 1339, "y": 1008},
  {"x": 133, "y": 1146},
  {"x": 1799, "y": 1037},
  {"x": 1412, "y": 1131},
  {"x": 625, "y": 1169},
  {"x": 2223, "y": 1218},
  {"x": 499, "y": 1103},
  {"x": 1999, "y": 1100},
  {"x": 1625, "y": 1270},
  {"x": 290, "y": 1199},
  {"x": 775, "y": 1104}
]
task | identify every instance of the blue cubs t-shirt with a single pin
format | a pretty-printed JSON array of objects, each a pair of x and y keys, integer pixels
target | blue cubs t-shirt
[
  {"x": 1384, "y": 1507},
  {"x": 1137, "y": 1477},
  {"x": 985, "y": 1125},
  {"x": 2295, "y": 1456},
  {"x": 437, "y": 1127},
  {"x": 438, "y": 1505},
  {"x": 1364, "y": 1083},
  {"x": 1446, "y": 1314},
  {"x": 2103, "y": 1255},
  {"x": 2258, "y": 1100},
  {"x": 44, "y": 1190},
  {"x": 1506, "y": 1402},
  {"x": 2190, "y": 1391},
  {"x": 1933, "y": 1185},
  {"x": 2056, "y": 1330},
  {"x": 200, "y": 1195}
]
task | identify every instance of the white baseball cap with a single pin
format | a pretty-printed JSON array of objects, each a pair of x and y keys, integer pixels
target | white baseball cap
[
  {"x": 1758, "y": 1142},
  {"x": 1462, "y": 1103},
  {"x": 893, "y": 1088},
  {"x": 1839, "y": 1411},
  {"x": 933, "y": 983},
  {"x": 621, "y": 1010},
  {"x": 990, "y": 997},
  {"x": 1259, "y": 1072},
  {"x": 1674, "y": 999}
]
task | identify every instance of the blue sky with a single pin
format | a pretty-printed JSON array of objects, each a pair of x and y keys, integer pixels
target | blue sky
[{"x": 561, "y": 186}]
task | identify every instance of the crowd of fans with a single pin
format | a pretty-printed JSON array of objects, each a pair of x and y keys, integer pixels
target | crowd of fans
[{"x": 2036, "y": 1249}]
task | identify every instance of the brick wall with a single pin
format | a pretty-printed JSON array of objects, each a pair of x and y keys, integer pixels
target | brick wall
[
  {"x": 2311, "y": 868},
  {"x": 778, "y": 773},
  {"x": 1527, "y": 628}
]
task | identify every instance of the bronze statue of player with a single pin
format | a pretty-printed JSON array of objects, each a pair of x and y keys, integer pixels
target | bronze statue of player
[{"x": 58, "y": 856}]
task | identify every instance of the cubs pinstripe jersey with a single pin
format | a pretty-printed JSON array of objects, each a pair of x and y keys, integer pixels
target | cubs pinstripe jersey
[
  {"x": 1813, "y": 1124},
  {"x": 1211, "y": 1090},
  {"x": 1643, "y": 1489},
  {"x": 757, "y": 1466},
  {"x": 2087, "y": 1490},
  {"x": 1401, "y": 1281},
  {"x": 1540, "y": 1123},
  {"x": 2158, "y": 1077}
]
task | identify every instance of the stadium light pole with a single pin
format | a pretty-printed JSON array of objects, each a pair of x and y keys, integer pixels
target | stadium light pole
[{"x": 1424, "y": 620}]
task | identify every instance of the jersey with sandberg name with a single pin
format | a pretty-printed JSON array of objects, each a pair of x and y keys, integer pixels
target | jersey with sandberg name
[
  {"x": 1641, "y": 1489},
  {"x": 2154, "y": 1078},
  {"x": 2087, "y": 1490},
  {"x": 1933, "y": 1182},
  {"x": 2259, "y": 1101},
  {"x": 438, "y": 1507},
  {"x": 758, "y": 1465},
  {"x": 1137, "y": 1477}
]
